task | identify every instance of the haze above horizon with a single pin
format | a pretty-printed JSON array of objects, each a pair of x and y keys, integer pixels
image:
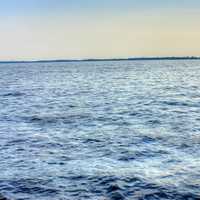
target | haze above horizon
[{"x": 59, "y": 29}]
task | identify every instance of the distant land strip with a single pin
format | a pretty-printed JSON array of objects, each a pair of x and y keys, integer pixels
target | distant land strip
[{"x": 102, "y": 59}]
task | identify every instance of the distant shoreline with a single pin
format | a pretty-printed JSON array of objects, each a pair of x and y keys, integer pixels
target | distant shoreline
[{"x": 101, "y": 60}]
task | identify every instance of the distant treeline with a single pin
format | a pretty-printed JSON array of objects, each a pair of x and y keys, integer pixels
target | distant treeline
[{"x": 109, "y": 59}]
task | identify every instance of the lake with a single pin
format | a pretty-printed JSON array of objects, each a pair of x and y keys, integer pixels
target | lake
[{"x": 100, "y": 130}]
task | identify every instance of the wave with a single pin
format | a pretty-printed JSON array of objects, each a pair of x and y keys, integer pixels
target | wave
[
  {"x": 13, "y": 94},
  {"x": 104, "y": 187}
]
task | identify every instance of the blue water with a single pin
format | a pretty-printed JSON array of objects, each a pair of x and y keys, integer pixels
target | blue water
[{"x": 100, "y": 130}]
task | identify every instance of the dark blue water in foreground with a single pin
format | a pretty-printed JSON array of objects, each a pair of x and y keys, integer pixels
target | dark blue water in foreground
[{"x": 100, "y": 130}]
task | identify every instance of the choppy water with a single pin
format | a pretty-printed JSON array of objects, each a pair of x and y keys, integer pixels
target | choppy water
[{"x": 100, "y": 130}]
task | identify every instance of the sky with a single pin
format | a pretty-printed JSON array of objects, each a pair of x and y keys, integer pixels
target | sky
[{"x": 78, "y": 29}]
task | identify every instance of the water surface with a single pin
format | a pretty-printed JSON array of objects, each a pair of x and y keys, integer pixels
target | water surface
[{"x": 100, "y": 130}]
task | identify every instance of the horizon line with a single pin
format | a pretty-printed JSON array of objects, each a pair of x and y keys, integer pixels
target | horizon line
[{"x": 104, "y": 59}]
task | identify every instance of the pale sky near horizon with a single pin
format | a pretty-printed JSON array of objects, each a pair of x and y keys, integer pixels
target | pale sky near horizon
[{"x": 68, "y": 29}]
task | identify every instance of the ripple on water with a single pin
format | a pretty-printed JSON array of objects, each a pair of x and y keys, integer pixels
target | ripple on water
[
  {"x": 13, "y": 94},
  {"x": 100, "y": 131}
]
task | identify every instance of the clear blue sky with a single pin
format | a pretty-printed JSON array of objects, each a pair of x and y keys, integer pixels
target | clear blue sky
[{"x": 56, "y": 29}]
